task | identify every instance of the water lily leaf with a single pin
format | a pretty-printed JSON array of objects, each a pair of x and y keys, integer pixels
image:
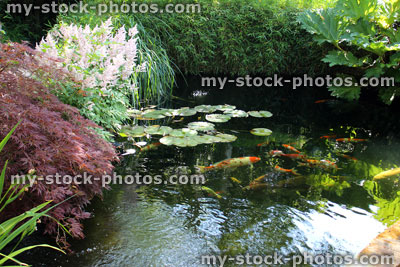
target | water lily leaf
[
  {"x": 218, "y": 117},
  {"x": 164, "y": 130},
  {"x": 153, "y": 129},
  {"x": 205, "y": 108},
  {"x": 134, "y": 112},
  {"x": 185, "y": 112},
  {"x": 183, "y": 132},
  {"x": 183, "y": 141},
  {"x": 201, "y": 126},
  {"x": 236, "y": 113},
  {"x": 226, "y": 107},
  {"x": 153, "y": 114},
  {"x": 260, "y": 114},
  {"x": 207, "y": 139},
  {"x": 135, "y": 131},
  {"x": 226, "y": 138},
  {"x": 261, "y": 131},
  {"x": 168, "y": 112}
]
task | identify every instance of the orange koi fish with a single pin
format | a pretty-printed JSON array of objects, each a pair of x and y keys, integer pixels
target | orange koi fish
[
  {"x": 328, "y": 136},
  {"x": 294, "y": 156},
  {"x": 350, "y": 140},
  {"x": 321, "y": 101},
  {"x": 263, "y": 144},
  {"x": 276, "y": 153},
  {"x": 292, "y": 171},
  {"x": 329, "y": 164},
  {"x": 150, "y": 147},
  {"x": 291, "y": 148},
  {"x": 230, "y": 163},
  {"x": 310, "y": 163},
  {"x": 346, "y": 156}
]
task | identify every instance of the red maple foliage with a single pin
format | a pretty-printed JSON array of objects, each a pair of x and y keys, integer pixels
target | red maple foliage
[{"x": 53, "y": 138}]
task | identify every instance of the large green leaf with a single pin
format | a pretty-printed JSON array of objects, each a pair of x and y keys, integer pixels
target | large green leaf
[
  {"x": 341, "y": 58},
  {"x": 349, "y": 93}
]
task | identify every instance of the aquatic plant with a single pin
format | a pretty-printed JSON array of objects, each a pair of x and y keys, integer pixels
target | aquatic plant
[
  {"x": 53, "y": 138},
  {"x": 365, "y": 37},
  {"x": 103, "y": 62}
]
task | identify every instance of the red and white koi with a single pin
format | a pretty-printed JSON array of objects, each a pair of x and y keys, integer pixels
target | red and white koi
[
  {"x": 291, "y": 148},
  {"x": 276, "y": 153},
  {"x": 230, "y": 163},
  {"x": 292, "y": 171}
]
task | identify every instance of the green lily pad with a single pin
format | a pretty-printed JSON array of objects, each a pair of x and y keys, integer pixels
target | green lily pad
[
  {"x": 205, "y": 108},
  {"x": 226, "y": 107},
  {"x": 134, "y": 112},
  {"x": 185, "y": 112},
  {"x": 218, "y": 117},
  {"x": 133, "y": 131},
  {"x": 226, "y": 138},
  {"x": 201, "y": 126},
  {"x": 153, "y": 114},
  {"x": 153, "y": 129},
  {"x": 183, "y": 141},
  {"x": 261, "y": 131},
  {"x": 168, "y": 112},
  {"x": 183, "y": 132},
  {"x": 260, "y": 114},
  {"x": 207, "y": 139},
  {"x": 163, "y": 130},
  {"x": 236, "y": 113}
]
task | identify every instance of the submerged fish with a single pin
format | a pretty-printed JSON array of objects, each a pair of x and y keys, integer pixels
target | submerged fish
[
  {"x": 350, "y": 140},
  {"x": 276, "y": 153},
  {"x": 346, "y": 156},
  {"x": 291, "y": 148},
  {"x": 263, "y": 143},
  {"x": 386, "y": 174},
  {"x": 211, "y": 192},
  {"x": 328, "y": 136},
  {"x": 150, "y": 147},
  {"x": 256, "y": 186},
  {"x": 292, "y": 171},
  {"x": 230, "y": 163},
  {"x": 329, "y": 164},
  {"x": 235, "y": 180},
  {"x": 321, "y": 101},
  {"x": 294, "y": 156}
]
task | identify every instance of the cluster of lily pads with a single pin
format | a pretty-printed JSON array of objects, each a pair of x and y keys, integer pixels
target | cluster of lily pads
[{"x": 195, "y": 133}]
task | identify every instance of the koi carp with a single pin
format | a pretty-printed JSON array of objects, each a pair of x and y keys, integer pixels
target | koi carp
[
  {"x": 386, "y": 174},
  {"x": 230, "y": 163},
  {"x": 350, "y": 140},
  {"x": 294, "y": 156},
  {"x": 290, "y": 148},
  {"x": 211, "y": 192},
  {"x": 292, "y": 171},
  {"x": 150, "y": 147},
  {"x": 276, "y": 153}
]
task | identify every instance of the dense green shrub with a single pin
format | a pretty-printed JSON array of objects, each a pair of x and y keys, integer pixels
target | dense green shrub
[
  {"x": 52, "y": 138},
  {"x": 232, "y": 37},
  {"x": 366, "y": 38}
]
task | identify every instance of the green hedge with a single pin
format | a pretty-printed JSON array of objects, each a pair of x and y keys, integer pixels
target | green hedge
[{"x": 229, "y": 37}]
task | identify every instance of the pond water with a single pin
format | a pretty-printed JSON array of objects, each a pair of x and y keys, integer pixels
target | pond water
[{"x": 322, "y": 210}]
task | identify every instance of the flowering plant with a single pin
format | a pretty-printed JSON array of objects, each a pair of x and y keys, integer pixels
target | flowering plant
[{"x": 103, "y": 62}]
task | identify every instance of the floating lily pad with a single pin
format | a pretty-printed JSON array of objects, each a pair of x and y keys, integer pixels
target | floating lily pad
[
  {"x": 237, "y": 113},
  {"x": 168, "y": 112},
  {"x": 260, "y": 114},
  {"x": 135, "y": 131},
  {"x": 207, "y": 139},
  {"x": 163, "y": 130},
  {"x": 226, "y": 138},
  {"x": 218, "y": 117},
  {"x": 185, "y": 112},
  {"x": 134, "y": 112},
  {"x": 153, "y": 114},
  {"x": 183, "y": 141},
  {"x": 226, "y": 107},
  {"x": 205, "y": 108},
  {"x": 153, "y": 129},
  {"x": 201, "y": 126},
  {"x": 183, "y": 132},
  {"x": 261, "y": 131}
]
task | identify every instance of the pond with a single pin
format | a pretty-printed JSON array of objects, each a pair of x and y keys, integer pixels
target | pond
[{"x": 334, "y": 209}]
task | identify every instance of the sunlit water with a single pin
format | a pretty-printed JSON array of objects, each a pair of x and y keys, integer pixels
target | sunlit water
[{"x": 175, "y": 225}]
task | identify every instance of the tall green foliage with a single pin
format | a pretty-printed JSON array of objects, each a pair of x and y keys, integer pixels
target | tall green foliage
[{"x": 366, "y": 37}]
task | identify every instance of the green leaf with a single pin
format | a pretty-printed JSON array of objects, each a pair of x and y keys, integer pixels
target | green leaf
[
  {"x": 201, "y": 126},
  {"x": 349, "y": 93},
  {"x": 261, "y": 131},
  {"x": 341, "y": 58},
  {"x": 218, "y": 117},
  {"x": 260, "y": 114}
]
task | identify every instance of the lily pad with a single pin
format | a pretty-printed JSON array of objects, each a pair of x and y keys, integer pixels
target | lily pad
[
  {"x": 226, "y": 107},
  {"x": 134, "y": 112},
  {"x": 205, "y": 108},
  {"x": 226, "y": 138},
  {"x": 201, "y": 126},
  {"x": 261, "y": 131},
  {"x": 218, "y": 117},
  {"x": 183, "y": 132},
  {"x": 185, "y": 112},
  {"x": 236, "y": 113},
  {"x": 153, "y": 114},
  {"x": 135, "y": 131},
  {"x": 163, "y": 130},
  {"x": 260, "y": 114},
  {"x": 207, "y": 139},
  {"x": 153, "y": 129},
  {"x": 183, "y": 141}
]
